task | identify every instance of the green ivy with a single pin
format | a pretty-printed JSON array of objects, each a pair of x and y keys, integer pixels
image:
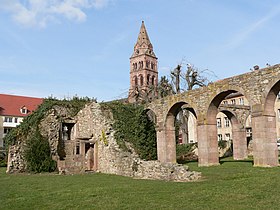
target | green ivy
[{"x": 131, "y": 124}]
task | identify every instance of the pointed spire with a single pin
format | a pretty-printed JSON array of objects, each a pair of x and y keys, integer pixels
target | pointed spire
[
  {"x": 143, "y": 44},
  {"x": 143, "y": 36}
]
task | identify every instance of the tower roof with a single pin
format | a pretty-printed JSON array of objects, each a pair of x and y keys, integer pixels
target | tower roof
[
  {"x": 143, "y": 44},
  {"x": 143, "y": 36}
]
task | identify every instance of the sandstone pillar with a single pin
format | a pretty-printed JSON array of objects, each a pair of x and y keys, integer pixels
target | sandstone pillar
[
  {"x": 239, "y": 143},
  {"x": 265, "y": 149},
  {"x": 170, "y": 145},
  {"x": 208, "y": 154},
  {"x": 161, "y": 145}
]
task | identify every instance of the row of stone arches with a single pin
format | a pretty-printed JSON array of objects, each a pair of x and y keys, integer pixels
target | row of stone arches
[{"x": 262, "y": 115}]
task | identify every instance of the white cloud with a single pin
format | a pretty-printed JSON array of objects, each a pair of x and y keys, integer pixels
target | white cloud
[{"x": 38, "y": 13}]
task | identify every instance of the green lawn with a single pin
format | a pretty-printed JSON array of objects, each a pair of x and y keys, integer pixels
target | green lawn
[{"x": 232, "y": 185}]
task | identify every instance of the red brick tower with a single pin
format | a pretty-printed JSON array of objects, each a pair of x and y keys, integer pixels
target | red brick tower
[{"x": 143, "y": 69}]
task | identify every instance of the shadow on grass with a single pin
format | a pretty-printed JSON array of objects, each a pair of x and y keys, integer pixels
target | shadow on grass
[
  {"x": 222, "y": 160},
  {"x": 230, "y": 159}
]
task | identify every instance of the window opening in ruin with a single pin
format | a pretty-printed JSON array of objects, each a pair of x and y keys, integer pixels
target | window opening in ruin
[
  {"x": 88, "y": 146},
  {"x": 78, "y": 148},
  {"x": 66, "y": 130}
]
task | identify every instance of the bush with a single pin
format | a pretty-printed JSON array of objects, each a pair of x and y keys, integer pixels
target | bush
[
  {"x": 38, "y": 155},
  {"x": 184, "y": 153}
]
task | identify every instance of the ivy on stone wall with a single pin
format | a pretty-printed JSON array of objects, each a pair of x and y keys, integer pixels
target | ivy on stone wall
[
  {"x": 132, "y": 125},
  {"x": 37, "y": 149}
]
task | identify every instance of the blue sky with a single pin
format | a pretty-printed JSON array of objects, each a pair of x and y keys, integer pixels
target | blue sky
[{"x": 82, "y": 47}]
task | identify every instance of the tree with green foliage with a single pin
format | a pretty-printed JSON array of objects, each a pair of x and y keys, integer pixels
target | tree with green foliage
[{"x": 37, "y": 154}]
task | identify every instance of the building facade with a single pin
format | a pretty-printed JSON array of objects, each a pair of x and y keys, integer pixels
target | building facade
[
  {"x": 13, "y": 109},
  {"x": 143, "y": 69}
]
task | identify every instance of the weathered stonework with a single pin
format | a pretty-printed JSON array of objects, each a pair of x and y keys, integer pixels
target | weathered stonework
[
  {"x": 90, "y": 146},
  {"x": 260, "y": 87}
]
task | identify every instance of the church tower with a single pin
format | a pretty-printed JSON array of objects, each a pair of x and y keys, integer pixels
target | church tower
[{"x": 143, "y": 69}]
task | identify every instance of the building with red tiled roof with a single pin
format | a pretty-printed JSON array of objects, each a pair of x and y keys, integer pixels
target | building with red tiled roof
[{"x": 12, "y": 111}]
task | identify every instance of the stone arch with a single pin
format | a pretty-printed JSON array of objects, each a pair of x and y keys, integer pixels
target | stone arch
[
  {"x": 207, "y": 129},
  {"x": 264, "y": 128},
  {"x": 238, "y": 136},
  {"x": 151, "y": 114},
  {"x": 270, "y": 97},
  {"x": 169, "y": 128}
]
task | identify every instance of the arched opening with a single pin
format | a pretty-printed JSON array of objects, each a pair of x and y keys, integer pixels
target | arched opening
[
  {"x": 249, "y": 138},
  {"x": 265, "y": 129},
  {"x": 148, "y": 79},
  {"x": 208, "y": 129},
  {"x": 141, "y": 80},
  {"x": 135, "y": 81},
  {"x": 153, "y": 80},
  {"x": 178, "y": 114},
  {"x": 232, "y": 139}
]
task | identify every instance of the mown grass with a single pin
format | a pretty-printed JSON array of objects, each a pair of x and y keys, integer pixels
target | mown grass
[{"x": 232, "y": 185}]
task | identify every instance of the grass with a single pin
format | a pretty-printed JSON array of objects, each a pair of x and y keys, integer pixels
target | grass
[{"x": 232, "y": 185}]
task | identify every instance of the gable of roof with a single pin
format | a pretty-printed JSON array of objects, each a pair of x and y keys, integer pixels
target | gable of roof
[{"x": 11, "y": 105}]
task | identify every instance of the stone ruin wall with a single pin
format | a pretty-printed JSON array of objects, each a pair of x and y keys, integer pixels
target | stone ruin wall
[{"x": 94, "y": 125}]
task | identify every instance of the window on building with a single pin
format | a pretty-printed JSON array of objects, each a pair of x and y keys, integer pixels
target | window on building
[
  {"x": 225, "y": 102},
  {"x": 152, "y": 65},
  {"x": 233, "y": 101},
  {"x": 241, "y": 101},
  {"x": 227, "y": 136},
  {"x": 226, "y": 122},
  {"x": 147, "y": 64},
  {"x": 219, "y": 122},
  {"x": 135, "y": 81},
  {"x": 220, "y": 137},
  {"x": 141, "y": 80},
  {"x": 148, "y": 79},
  {"x": 16, "y": 120},
  {"x": 153, "y": 80},
  {"x": 278, "y": 114},
  {"x": 278, "y": 96},
  {"x": 23, "y": 110},
  {"x": 248, "y": 132},
  {"x": 8, "y": 119},
  {"x": 6, "y": 130}
]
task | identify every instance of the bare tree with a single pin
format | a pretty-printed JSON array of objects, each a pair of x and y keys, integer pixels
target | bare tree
[{"x": 187, "y": 77}]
